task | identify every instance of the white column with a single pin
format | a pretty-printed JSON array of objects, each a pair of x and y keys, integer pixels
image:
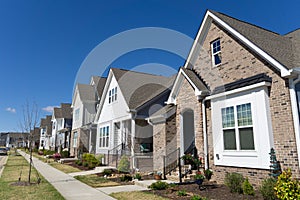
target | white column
[
  {"x": 181, "y": 137},
  {"x": 90, "y": 139},
  {"x": 133, "y": 141}
]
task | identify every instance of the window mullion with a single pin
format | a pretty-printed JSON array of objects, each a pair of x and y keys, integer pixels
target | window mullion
[{"x": 236, "y": 126}]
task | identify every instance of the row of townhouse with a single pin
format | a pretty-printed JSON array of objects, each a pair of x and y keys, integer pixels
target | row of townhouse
[{"x": 236, "y": 97}]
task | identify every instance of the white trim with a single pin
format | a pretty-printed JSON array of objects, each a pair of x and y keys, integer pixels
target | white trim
[
  {"x": 283, "y": 70},
  {"x": 295, "y": 113},
  {"x": 238, "y": 90},
  {"x": 262, "y": 129}
]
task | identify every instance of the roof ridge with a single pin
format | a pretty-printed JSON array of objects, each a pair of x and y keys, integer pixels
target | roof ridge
[
  {"x": 139, "y": 72},
  {"x": 246, "y": 23}
]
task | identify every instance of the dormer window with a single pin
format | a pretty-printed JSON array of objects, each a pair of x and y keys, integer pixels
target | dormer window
[
  {"x": 112, "y": 95},
  {"x": 216, "y": 52}
]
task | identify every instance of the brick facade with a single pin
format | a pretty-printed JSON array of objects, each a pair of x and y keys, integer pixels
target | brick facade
[
  {"x": 82, "y": 142},
  {"x": 239, "y": 62}
]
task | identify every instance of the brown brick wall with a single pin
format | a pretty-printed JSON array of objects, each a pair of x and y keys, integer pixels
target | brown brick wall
[
  {"x": 186, "y": 99},
  {"x": 239, "y": 62}
]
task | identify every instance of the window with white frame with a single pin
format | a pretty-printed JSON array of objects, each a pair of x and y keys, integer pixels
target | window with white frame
[
  {"x": 242, "y": 127},
  {"x": 75, "y": 139},
  {"x": 77, "y": 111},
  {"x": 237, "y": 127},
  {"x": 216, "y": 52},
  {"x": 104, "y": 136},
  {"x": 112, "y": 96}
]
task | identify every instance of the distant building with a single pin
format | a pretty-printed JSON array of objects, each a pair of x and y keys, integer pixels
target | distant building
[{"x": 14, "y": 139}]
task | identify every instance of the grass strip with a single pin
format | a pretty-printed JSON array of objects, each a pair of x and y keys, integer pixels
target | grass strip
[{"x": 17, "y": 167}]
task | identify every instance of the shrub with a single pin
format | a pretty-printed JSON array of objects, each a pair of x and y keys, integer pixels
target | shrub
[
  {"x": 107, "y": 172},
  {"x": 181, "y": 193},
  {"x": 99, "y": 158},
  {"x": 90, "y": 159},
  {"x": 41, "y": 153},
  {"x": 56, "y": 156},
  {"x": 267, "y": 189},
  {"x": 126, "y": 178},
  {"x": 85, "y": 164},
  {"x": 247, "y": 187},
  {"x": 286, "y": 187},
  {"x": 208, "y": 173},
  {"x": 138, "y": 176},
  {"x": 48, "y": 152},
  {"x": 124, "y": 164},
  {"x": 65, "y": 154},
  {"x": 197, "y": 197},
  {"x": 234, "y": 182},
  {"x": 159, "y": 185},
  {"x": 78, "y": 162}
]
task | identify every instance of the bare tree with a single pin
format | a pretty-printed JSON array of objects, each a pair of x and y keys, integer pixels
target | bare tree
[{"x": 29, "y": 122}]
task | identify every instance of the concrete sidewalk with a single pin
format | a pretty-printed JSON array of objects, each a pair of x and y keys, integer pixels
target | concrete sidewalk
[
  {"x": 88, "y": 172},
  {"x": 67, "y": 186},
  {"x": 3, "y": 160}
]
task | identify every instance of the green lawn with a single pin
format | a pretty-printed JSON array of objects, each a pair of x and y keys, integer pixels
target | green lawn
[
  {"x": 15, "y": 166},
  {"x": 96, "y": 181},
  {"x": 136, "y": 195}
]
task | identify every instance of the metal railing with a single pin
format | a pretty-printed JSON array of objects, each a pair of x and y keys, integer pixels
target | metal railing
[
  {"x": 171, "y": 162},
  {"x": 114, "y": 155}
]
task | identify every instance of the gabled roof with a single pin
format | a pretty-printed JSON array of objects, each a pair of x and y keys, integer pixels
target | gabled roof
[
  {"x": 99, "y": 83},
  {"x": 278, "y": 50},
  {"x": 46, "y": 123},
  {"x": 294, "y": 36},
  {"x": 65, "y": 111},
  {"x": 195, "y": 81},
  {"x": 277, "y": 46},
  {"x": 86, "y": 92},
  {"x": 138, "y": 88}
]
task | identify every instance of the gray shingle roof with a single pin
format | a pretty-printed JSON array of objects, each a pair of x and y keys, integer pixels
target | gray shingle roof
[
  {"x": 65, "y": 111},
  {"x": 99, "y": 84},
  {"x": 243, "y": 83},
  {"x": 139, "y": 88},
  {"x": 47, "y": 123},
  {"x": 195, "y": 79},
  {"x": 294, "y": 36},
  {"x": 86, "y": 92},
  {"x": 277, "y": 46},
  {"x": 164, "y": 110}
]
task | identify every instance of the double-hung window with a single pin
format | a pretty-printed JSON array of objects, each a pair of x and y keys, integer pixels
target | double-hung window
[
  {"x": 104, "y": 136},
  {"x": 237, "y": 127},
  {"x": 112, "y": 96},
  {"x": 216, "y": 52},
  {"x": 77, "y": 111},
  {"x": 75, "y": 139}
]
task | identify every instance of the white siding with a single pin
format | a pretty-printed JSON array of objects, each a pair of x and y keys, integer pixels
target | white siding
[{"x": 77, "y": 122}]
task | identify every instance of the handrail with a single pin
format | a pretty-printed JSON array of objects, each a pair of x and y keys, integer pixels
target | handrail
[
  {"x": 171, "y": 162},
  {"x": 116, "y": 152}
]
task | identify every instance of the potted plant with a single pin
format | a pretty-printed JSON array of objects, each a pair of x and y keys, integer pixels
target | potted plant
[
  {"x": 157, "y": 175},
  {"x": 188, "y": 159},
  {"x": 208, "y": 173},
  {"x": 199, "y": 177}
]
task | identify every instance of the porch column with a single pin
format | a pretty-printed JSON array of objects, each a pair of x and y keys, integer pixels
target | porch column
[
  {"x": 133, "y": 141},
  {"x": 122, "y": 133},
  {"x": 181, "y": 140},
  {"x": 90, "y": 139}
]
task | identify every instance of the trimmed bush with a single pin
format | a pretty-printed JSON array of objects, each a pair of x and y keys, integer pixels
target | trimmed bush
[
  {"x": 107, "y": 172},
  {"x": 64, "y": 154},
  {"x": 267, "y": 189},
  {"x": 181, "y": 193},
  {"x": 286, "y": 187},
  {"x": 99, "y": 158},
  {"x": 138, "y": 176},
  {"x": 85, "y": 164},
  {"x": 159, "y": 185},
  {"x": 124, "y": 164},
  {"x": 197, "y": 197},
  {"x": 234, "y": 182},
  {"x": 247, "y": 187},
  {"x": 126, "y": 178},
  {"x": 91, "y": 160}
]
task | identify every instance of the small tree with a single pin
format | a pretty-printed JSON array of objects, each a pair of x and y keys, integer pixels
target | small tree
[
  {"x": 28, "y": 123},
  {"x": 124, "y": 164}
]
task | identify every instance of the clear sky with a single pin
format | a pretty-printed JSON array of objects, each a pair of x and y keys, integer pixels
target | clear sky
[{"x": 44, "y": 42}]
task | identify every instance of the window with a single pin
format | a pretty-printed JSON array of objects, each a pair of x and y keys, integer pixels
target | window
[
  {"x": 77, "y": 111},
  {"x": 43, "y": 131},
  {"x": 112, "y": 95},
  {"x": 75, "y": 138},
  {"x": 53, "y": 125},
  {"x": 104, "y": 136},
  {"x": 237, "y": 127},
  {"x": 216, "y": 52}
]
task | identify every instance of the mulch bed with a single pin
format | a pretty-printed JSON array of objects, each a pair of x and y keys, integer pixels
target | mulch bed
[
  {"x": 22, "y": 183},
  {"x": 209, "y": 190}
]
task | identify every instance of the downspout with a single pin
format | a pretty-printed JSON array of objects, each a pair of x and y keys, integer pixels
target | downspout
[
  {"x": 294, "y": 105},
  {"x": 205, "y": 134}
]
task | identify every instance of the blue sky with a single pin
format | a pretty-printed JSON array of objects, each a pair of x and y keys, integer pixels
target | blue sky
[{"x": 44, "y": 42}]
